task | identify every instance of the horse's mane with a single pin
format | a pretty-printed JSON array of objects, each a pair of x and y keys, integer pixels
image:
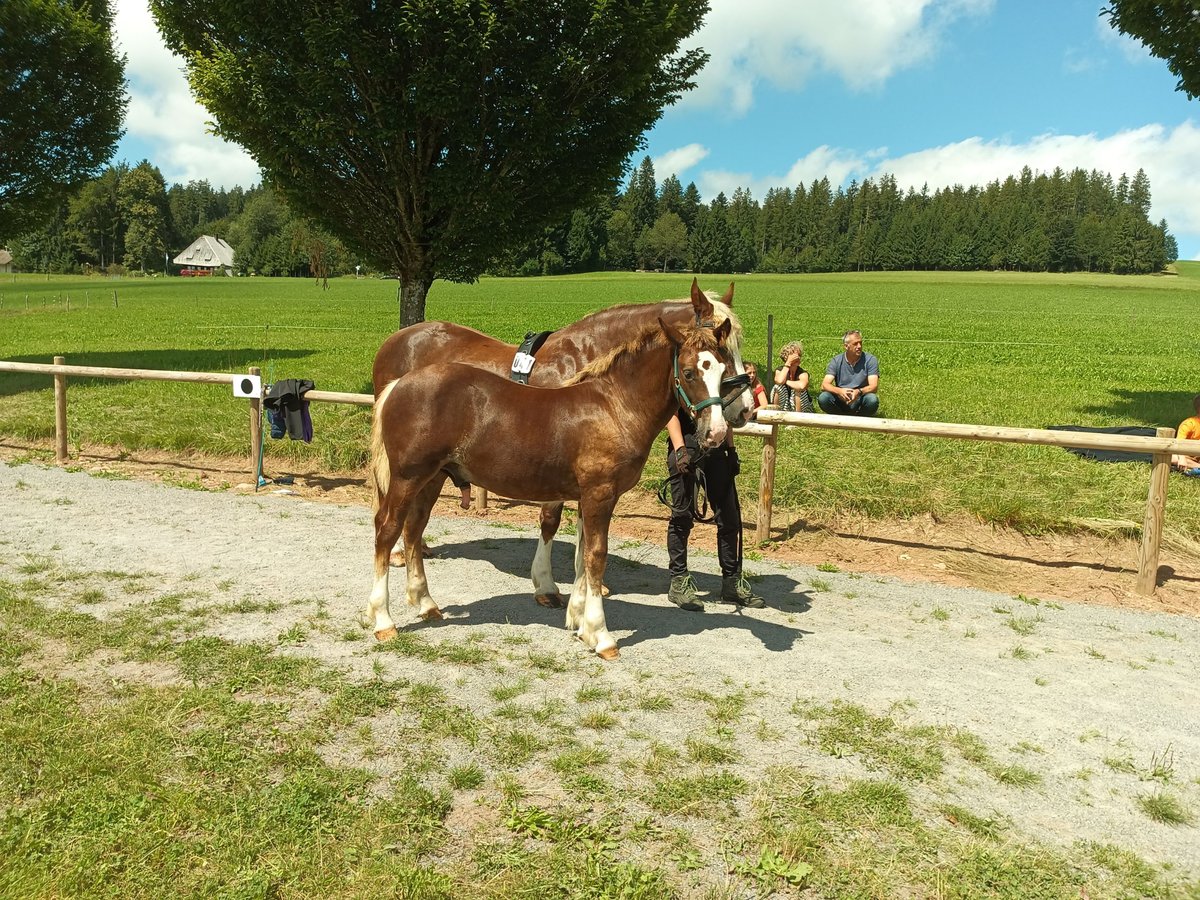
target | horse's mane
[
  {"x": 721, "y": 312},
  {"x": 648, "y": 336}
]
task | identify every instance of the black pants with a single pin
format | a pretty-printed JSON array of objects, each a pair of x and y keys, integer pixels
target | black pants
[{"x": 722, "y": 499}]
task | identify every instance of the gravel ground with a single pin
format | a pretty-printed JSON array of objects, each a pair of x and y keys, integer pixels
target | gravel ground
[{"x": 1093, "y": 699}]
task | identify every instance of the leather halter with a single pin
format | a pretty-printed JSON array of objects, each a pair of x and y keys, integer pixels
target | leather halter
[
  {"x": 731, "y": 387},
  {"x": 685, "y": 401}
]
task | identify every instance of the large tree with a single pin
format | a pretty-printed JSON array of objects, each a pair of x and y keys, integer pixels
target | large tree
[
  {"x": 62, "y": 97},
  {"x": 1170, "y": 30},
  {"x": 432, "y": 135}
]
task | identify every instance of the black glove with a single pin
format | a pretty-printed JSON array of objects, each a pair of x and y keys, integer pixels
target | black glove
[
  {"x": 735, "y": 462},
  {"x": 683, "y": 461}
]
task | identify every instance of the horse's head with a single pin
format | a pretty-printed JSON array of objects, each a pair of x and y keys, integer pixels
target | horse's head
[
  {"x": 736, "y": 397},
  {"x": 701, "y": 360}
]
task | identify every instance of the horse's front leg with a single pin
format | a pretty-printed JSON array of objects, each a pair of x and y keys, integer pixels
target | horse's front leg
[
  {"x": 595, "y": 515},
  {"x": 545, "y": 590}
]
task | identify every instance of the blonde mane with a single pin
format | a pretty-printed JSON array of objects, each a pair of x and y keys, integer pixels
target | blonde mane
[{"x": 649, "y": 336}]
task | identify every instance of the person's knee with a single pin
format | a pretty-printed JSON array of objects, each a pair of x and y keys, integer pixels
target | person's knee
[
  {"x": 828, "y": 402},
  {"x": 870, "y": 405}
]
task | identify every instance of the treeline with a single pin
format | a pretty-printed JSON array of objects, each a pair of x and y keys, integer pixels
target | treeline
[
  {"x": 128, "y": 220},
  {"x": 1057, "y": 222}
]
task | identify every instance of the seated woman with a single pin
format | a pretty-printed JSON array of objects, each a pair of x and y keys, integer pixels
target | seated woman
[
  {"x": 756, "y": 387},
  {"x": 791, "y": 381}
]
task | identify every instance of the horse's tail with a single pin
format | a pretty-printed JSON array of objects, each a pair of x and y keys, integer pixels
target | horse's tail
[{"x": 381, "y": 467}]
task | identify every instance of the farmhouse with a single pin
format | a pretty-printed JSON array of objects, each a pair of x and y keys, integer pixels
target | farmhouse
[
  {"x": 5, "y": 261},
  {"x": 207, "y": 255}
]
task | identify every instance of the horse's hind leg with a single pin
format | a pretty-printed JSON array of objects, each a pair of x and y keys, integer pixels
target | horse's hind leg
[
  {"x": 414, "y": 526},
  {"x": 387, "y": 530},
  {"x": 545, "y": 591},
  {"x": 575, "y": 606}
]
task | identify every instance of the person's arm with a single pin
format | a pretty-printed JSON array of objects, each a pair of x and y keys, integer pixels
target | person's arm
[
  {"x": 800, "y": 382},
  {"x": 829, "y": 384},
  {"x": 872, "y": 376},
  {"x": 782, "y": 373},
  {"x": 675, "y": 433}
]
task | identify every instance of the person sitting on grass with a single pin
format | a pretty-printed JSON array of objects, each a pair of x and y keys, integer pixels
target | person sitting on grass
[
  {"x": 757, "y": 391},
  {"x": 851, "y": 382},
  {"x": 1189, "y": 430},
  {"x": 791, "y": 381}
]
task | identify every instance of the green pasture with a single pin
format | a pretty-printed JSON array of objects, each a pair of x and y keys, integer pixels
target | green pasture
[{"x": 1002, "y": 348}]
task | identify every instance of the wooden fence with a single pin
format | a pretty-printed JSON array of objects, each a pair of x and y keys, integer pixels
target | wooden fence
[{"x": 766, "y": 428}]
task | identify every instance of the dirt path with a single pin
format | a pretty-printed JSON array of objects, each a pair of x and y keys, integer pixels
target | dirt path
[
  {"x": 1091, "y": 698},
  {"x": 1081, "y": 567}
]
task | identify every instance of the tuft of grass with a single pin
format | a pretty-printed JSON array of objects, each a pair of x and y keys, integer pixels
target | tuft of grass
[
  {"x": 820, "y": 585},
  {"x": 940, "y": 614},
  {"x": 700, "y": 796},
  {"x": 707, "y": 752},
  {"x": 1019, "y": 652},
  {"x": 1165, "y": 808},
  {"x": 1024, "y": 625},
  {"x": 1094, "y": 653},
  {"x": 598, "y": 720},
  {"x": 465, "y": 778},
  {"x": 980, "y": 826},
  {"x": 827, "y": 567},
  {"x": 845, "y": 728}
]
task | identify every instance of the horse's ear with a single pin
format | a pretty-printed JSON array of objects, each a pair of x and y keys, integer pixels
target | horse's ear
[
  {"x": 700, "y": 303},
  {"x": 721, "y": 332},
  {"x": 728, "y": 298},
  {"x": 672, "y": 333}
]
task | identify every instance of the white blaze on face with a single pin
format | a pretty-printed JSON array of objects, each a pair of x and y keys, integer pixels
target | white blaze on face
[{"x": 712, "y": 370}]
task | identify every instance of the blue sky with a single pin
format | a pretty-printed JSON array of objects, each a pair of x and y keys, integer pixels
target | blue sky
[{"x": 934, "y": 91}]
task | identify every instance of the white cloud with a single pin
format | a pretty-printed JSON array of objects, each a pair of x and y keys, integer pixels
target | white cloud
[
  {"x": 784, "y": 42},
  {"x": 676, "y": 162},
  {"x": 162, "y": 114}
]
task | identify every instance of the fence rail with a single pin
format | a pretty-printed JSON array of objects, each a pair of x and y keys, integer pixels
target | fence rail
[{"x": 767, "y": 427}]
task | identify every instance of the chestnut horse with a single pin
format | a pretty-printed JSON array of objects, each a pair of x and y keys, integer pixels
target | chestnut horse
[
  {"x": 563, "y": 355},
  {"x": 587, "y": 440}
]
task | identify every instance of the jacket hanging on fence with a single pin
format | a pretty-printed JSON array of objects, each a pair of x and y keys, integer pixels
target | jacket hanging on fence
[{"x": 287, "y": 410}]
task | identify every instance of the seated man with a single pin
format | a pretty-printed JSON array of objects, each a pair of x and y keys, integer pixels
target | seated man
[
  {"x": 1188, "y": 430},
  {"x": 851, "y": 382}
]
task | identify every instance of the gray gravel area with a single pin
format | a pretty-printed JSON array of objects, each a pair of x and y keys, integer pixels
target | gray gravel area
[{"x": 1088, "y": 697}]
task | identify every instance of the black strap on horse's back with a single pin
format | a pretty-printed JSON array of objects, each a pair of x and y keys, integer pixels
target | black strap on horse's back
[{"x": 523, "y": 361}]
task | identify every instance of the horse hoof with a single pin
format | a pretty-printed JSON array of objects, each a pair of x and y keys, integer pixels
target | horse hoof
[
  {"x": 432, "y": 615},
  {"x": 427, "y": 551},
  {"x": 397, "y": 560},
  {"x": 604, "y": 590},
  {"x": 608, "y": 654},
  {"x": 386, "y": 634},
  {"x": 551, "y": 601}
]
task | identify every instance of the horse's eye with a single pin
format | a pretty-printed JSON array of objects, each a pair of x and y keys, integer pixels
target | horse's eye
[{"x": 689, "y": 374}]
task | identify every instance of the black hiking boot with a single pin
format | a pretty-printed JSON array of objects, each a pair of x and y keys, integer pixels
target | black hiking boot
[
  {"x": 683, "y": 593},
  {"x": 736, "y": 589}
]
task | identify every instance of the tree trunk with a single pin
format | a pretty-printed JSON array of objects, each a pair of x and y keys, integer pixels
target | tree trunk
[{"x": 411, "y": 292}]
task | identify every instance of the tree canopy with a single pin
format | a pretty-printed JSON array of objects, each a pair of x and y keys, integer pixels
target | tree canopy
[
  {"x": 62, "y": 98},
  {"x": 1170, "y": 30},
  {"x": 432, "y": 136}
]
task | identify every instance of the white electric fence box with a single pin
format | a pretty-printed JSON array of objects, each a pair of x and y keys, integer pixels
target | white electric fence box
[{"x": 247, "y": 386}]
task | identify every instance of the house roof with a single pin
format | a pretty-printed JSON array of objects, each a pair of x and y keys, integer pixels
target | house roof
[
  {"x": 5, "y": 257},
  {"x": 206, "y": 252}
]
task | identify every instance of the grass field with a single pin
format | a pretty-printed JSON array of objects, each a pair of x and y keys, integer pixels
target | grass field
[{"x": 1002, "y": 348}]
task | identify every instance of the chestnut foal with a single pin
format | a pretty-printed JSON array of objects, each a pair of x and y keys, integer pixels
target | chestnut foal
[
  {"x": 585, "y": 441},
  {"x": 564, "y": 353}
]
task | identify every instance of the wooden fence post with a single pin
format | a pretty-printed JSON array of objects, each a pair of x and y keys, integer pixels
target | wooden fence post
[
  {"x": 60, "y": 413},
  {"x": 1152, "y": 527},
  {"x": 766, "y": 486},
  {"x": 256, "y": 437},
  {"x": 479, "y": 496}
]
